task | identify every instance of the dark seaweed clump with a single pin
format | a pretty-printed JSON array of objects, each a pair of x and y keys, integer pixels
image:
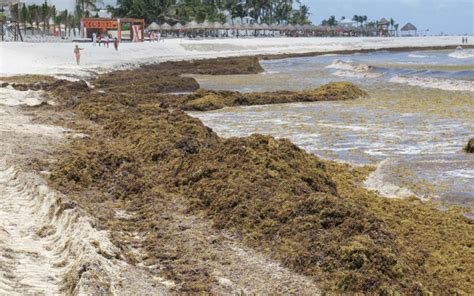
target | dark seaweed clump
[
  {"x": 146, "y": 156},
  {"x": 310, "y": 214},
  {"x": 470, "y": 146}
]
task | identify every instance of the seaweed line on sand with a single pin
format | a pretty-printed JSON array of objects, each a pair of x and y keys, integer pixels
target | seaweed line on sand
[{"x": 146, "y": 157}]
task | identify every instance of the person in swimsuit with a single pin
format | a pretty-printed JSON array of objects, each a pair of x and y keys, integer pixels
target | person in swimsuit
[
  {"x": 116, "y": 43},
  {"x": 77, "y": 53}
]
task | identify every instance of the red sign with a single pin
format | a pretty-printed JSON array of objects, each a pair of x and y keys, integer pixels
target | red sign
[{"x": 96, "y": 24}]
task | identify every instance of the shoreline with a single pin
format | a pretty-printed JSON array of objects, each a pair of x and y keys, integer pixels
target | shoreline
[{"x": 57, "y": 59}]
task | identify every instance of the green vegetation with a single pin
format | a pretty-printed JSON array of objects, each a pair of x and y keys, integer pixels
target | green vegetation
[{"x": 263, "y": 11}]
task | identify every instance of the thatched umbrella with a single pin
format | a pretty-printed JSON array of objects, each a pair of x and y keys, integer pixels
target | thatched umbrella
[
  {"x": 165, "y": 27},
  {"x": 216, "y": 26},
  {"x": 290, "y": 28},
  {"x": 264, "y": 27},
  {"x": 238, "y": 28},
  {"x": 191, "y": 26},
  {"x": 153, "y": 27},
  {"x": 408, "y": 29},
  {"x": 227, "y": 27},
  {"x": 178, "y": 27}
]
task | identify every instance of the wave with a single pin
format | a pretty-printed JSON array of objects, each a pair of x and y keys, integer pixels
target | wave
[
  {"x": 418, "y": 56},
  {"x": 347, "y": 69},
  {"x": 377, "y": 181},
  {"x": 354, "y": 74},
  {"x": 462, "y": 54},
  {"x": 438, "y": 83}
]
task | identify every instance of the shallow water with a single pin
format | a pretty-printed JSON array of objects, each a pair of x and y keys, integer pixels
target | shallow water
[{"x": 415, "y": 134}]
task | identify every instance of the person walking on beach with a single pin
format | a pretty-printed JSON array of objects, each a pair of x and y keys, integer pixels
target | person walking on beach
[
  {"x": 94, "y": 38},
  {"x": 116, "y": 43},
  {"x": 77, "y": 53},
  {"x": 107, "y": 40}
]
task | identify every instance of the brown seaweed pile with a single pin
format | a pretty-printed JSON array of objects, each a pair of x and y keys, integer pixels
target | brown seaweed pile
[
  {"x": 470, "y": 146},
  {"x": 310, "y": 214},
  {"x": 147, "y": 158},
  {"x": 212, "y": 100}
]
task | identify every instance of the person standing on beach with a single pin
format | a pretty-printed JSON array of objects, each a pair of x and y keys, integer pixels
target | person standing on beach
[
  {"x": 116, "y": 43},
  {"x": 94, "y": 38},
  {"x": 77, "y": 53}
]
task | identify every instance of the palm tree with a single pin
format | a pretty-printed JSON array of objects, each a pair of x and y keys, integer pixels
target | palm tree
[
  {"x": 44, "y": 14},
  {"x": 85, "y": 5},
  {"x": 24, "y": 16}
]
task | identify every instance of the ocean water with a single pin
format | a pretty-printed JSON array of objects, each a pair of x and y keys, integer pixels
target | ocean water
[{"x": 413, "y": 126}]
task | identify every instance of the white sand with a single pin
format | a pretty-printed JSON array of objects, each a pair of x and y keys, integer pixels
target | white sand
[{"x": 58, "y": 58}]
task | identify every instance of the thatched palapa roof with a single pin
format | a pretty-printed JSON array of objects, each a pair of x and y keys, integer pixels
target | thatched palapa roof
[
  {"x": 153, "y": 27},
  {"x": 384, "y": 21},
  {"x": 409, "y": 27}
]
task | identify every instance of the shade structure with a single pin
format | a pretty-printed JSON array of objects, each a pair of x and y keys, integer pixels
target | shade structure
[
  {"x": 238, "y": 27},
  {"x": 217, "y": 26},
  {"x": 205, "y": 25},
  {"x": 165, "y": 27},
  {"x": 227, "y": 26},
  {"x": 249, "y": 26},
  {"x": 290, "y": 28},
  {"x": 264, "y": 26},
  {"x": 191, "y": 25},
  {"x": 153, "y": 27},
  {"x": 178, "y": 27},
  {"x": 274, "y": 27},
  {"x": 384, "y": 21},
  {"x": 408, "y": 27}
]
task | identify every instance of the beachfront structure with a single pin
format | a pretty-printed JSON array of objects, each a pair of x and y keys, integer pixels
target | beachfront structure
[
  {"x": 215, "y": 29},
  {"x": 409, "y": 30},
  {"x": 382, "y": 27},
  {"x": 123, "y": 28},
  {"x": 9, "y": 25}
]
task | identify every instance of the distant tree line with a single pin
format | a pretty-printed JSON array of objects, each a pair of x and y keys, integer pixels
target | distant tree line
[
  {"x": 362, "y": 20},
  {"x": 172, "y": 11},
  {"x": 44, "y": 15}
]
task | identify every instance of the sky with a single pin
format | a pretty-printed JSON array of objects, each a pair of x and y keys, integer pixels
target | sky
[{"x": 447, "y": 16}]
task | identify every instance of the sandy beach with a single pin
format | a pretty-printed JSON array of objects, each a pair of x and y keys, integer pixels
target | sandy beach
[{"x": 58, "y": 58}]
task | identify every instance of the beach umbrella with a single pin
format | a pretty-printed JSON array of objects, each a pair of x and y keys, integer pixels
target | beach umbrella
[
  {"x": 191, "y": 25},
  {"x": 238, "y": 27},
  {"x": 227, "y": 26},
  {"x": 217, "y": 26},
  {"x": 153, "y": 27},
  {"x": 178, "y": 27},
  {"x": 165, "y": 27}
]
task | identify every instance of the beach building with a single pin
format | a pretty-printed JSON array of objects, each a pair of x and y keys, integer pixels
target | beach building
[
  {"x": 382, "y": 27},
  {"x": 9, "y": 26},
  {"x": 123, "y": 28},
  {"x": 409, "y": 30}
]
